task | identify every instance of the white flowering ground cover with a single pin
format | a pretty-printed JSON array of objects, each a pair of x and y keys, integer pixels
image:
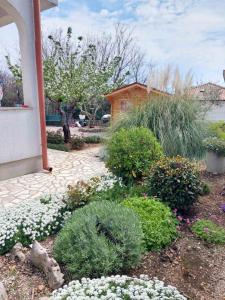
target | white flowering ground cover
[
  {"x": 37, "y": 219},
  {"x": 117, "y": 288},
  {"x": 107, "y": 182},
  {"x": 32, "y": 220}
]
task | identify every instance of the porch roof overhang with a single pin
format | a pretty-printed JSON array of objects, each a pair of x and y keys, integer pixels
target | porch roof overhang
[{"x": 6, "y": 19}]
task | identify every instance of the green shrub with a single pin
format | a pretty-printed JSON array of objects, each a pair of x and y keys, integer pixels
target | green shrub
[
  {"x": 176, "y": 121},
  {"x": 93, "y": 139},
  {"x": 204, "y": 189},
  {"x": 218, "y": 129},
  {"x": 77, "y": 142},
  {"x": 158, "y": 222},
  {"x": 60, "y": 147},
  {"x": 175, "y": 181},
  {"x": 215, "y": 145},
  {"x": 131, "y": 153},
  {"x": 101, "y": 238},
  {"x": 209, "y": 231},
  {"x": 54, "y": 137}
]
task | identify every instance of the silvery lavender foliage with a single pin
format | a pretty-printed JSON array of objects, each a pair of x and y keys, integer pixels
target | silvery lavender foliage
[
  {"x": 117, "y": 288},
  {"x": 32, "y": 220}
]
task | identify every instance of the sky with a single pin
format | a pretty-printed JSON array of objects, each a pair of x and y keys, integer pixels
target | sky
[{"x": 187, "y": 33}]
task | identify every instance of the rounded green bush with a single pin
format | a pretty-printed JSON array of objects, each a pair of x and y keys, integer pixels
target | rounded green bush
[
  {"x": 175, "y": 181},
  {"x": 101, "y": 238},
  {"x": 158, "y": 222},
  {"x": 131, "y": 152},
  {"x": 209, "y": 231}
]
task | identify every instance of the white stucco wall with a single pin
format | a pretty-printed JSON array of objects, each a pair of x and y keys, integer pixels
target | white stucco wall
[
  {"x": 216, "y": 112},
  {"x": 18, "y": 137}
]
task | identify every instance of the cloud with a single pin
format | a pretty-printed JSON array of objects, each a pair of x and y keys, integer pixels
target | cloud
[{"x": 187, "y": 33}]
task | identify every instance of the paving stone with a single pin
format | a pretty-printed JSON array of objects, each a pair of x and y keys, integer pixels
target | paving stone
[{"x": 68, "y": 168}]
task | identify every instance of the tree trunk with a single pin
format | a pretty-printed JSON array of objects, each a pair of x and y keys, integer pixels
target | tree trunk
[{"x": 66, "y": 133}]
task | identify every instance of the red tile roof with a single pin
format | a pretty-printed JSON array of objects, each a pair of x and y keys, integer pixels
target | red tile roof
[
  {"x": 137, "y": 84},
  {"x": 221, "y": 89}
]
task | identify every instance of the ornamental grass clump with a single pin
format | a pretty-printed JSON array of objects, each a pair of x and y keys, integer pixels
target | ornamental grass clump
[
  {"x": 209, "y": 231},
  {"x": 31, "y": 221},
  {"x": 158, "y": 222},
  {"x": 177, "y": 121},
  {"x": 175, "y": 181},
  {"x": 118, "y": 288},
  {"x": 131, "y": 152},
  {"x": 101, "y": 238}
]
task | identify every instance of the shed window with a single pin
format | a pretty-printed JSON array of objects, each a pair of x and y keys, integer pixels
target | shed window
[{"x": 124, "y": 105}]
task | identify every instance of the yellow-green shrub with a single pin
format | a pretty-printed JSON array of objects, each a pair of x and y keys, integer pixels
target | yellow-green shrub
[
  {"x": 218, "y": 129},
  {"x": 209, "y": 231},
  {"x": 158, "y": 222},
  {"x": 131, "y": 152}
]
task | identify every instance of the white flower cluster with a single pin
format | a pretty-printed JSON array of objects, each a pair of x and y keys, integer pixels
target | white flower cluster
[
  {"x": 31, "y": 220},
  {"x": 85, "y": 189},
  {"x": 107, "y": 182},
  {"x": 117, "y": 288}
]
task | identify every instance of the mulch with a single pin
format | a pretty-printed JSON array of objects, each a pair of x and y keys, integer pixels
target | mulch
[{"x": 195, "y": 267}]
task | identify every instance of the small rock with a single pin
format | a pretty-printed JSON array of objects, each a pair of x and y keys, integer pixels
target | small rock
[
  {"x": 41, "y": 287},
  {"x": 3, "y": 294},
  {"x": 40, "y": 259},
  {"x": 17, "y": 252}
]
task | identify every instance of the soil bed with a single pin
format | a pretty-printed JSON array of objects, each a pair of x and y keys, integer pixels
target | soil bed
[{"x": 196, "y": 268}]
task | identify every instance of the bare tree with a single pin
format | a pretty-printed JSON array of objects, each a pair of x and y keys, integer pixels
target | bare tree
[
  {"x": 12, "y": 91},
  {"x": 133, "y": 65}
]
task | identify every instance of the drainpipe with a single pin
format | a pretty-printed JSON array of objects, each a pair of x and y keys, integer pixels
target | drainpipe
[{"x": 40, "y": 81}]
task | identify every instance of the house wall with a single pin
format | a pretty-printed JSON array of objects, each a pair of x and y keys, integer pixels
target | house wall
[
  {"x": 216, "y": 112},
  {"x": 20, "y": 151},
  {"x": 20, "y": 138}
]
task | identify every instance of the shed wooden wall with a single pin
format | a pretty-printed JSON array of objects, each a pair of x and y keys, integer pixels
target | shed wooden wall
[{"x": 135, "y": 96}]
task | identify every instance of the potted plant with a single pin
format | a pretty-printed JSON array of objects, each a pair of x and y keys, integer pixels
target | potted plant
[{"x": 215, "y": 157}]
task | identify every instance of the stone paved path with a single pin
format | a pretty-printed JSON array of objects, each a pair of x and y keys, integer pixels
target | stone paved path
[{"x": 68, "y": 168}]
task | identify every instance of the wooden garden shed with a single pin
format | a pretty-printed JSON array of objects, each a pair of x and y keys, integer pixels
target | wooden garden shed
[{"x": 131, "y": 95}]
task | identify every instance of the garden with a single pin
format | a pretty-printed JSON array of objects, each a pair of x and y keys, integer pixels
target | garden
[
  {"x": 77, "y": 141},
  {"x": 153, "y": 228}
]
